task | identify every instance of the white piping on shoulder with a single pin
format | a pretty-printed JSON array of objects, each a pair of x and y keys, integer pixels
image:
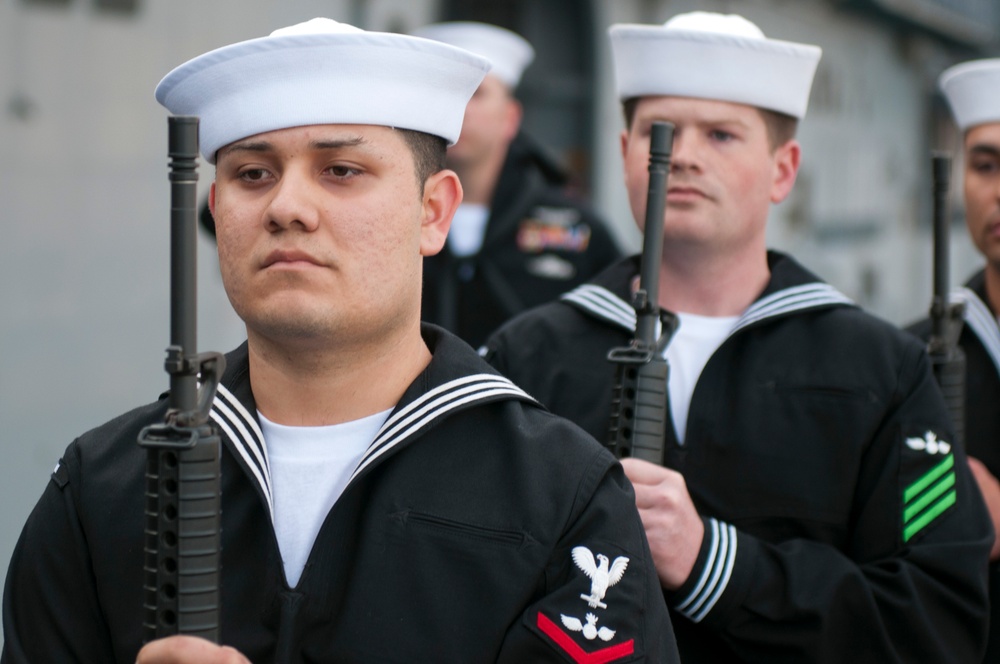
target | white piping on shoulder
[{"x": 982, "y": 322}]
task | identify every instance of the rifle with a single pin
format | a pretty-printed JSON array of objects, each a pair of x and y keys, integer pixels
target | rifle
[
  {"x": 183, "y": 479},
  {"x": 639, "y": 399},
  {"x": 947, "y": 357}
]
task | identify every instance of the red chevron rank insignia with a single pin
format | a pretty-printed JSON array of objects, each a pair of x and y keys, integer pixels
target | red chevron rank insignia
[{"x": 568, "y": 645}]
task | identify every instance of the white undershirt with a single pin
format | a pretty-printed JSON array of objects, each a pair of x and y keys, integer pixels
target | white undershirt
[
  {"x": 468, "y": 227},
  {"x": 310, "y": 467},
  {"x": 697, "y": 337}
]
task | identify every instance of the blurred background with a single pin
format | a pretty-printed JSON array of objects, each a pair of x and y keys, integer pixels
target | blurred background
[{"x": 84, "y": 259}]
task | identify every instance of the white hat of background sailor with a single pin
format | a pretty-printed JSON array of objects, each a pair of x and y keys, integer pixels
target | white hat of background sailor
[
  {"x": 973, "y": 92},
  {"x": 706, "y": 55},
  {"x": 510, "y": 53},
  {"x": 323, "y": 72}
]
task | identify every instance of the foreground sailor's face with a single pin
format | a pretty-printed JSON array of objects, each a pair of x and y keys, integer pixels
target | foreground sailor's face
[
  {"x": 982, "y": 189},
  {"x": 724, "y": 174},
  {"x": 320, "y": 232}
]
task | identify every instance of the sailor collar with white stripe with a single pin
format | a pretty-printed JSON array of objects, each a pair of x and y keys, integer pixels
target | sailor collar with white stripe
[
  {"x": 455, "y": 379},
  {"x": 791, "y": 289},
  {"x": 978, "y": 316}
]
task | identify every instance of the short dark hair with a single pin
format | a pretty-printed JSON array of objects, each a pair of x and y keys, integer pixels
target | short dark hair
[
  {"x": 428, "y": 153},
  {"x": 780, "y": 127}
]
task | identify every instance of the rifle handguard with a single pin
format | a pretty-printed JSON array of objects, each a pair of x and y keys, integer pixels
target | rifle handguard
[
  {"x": 183, "y": 503},
  {"x": 639, "y": 399}
]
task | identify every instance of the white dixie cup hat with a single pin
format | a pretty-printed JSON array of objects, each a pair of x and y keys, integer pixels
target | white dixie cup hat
[{"x": 323, "y": 72}]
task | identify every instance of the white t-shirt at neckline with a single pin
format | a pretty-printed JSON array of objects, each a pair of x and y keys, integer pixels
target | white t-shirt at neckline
[
  {"x": 694, "y": 342},
  {"x": 310, "y": 467}
]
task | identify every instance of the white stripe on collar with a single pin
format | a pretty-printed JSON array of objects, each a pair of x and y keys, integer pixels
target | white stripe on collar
[
  {"x": 243, "y": 430},
  {"x": 787, "y": 300},
  {"x": 435, "y": 403},
  {"x": 602, "y": 303},
  {"x": 981, "y": 321}
]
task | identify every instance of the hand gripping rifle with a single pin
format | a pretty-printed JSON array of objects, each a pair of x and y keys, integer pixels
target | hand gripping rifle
[
  {"x": 639, "y": 400},
  {"x": 947, "y": 357},
  {"x": 183, "y": 501}
]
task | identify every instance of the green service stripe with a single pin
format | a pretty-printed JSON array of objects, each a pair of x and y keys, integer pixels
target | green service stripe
[
  {"x": 929, "y": 516},
  {"x": 929, "y": 478},
  {"x": 932, "y": 494}
]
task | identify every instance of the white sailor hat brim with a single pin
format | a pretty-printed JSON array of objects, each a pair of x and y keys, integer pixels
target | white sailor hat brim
[
  {"x": 297, "y": 78},
  {"x": 973, "y": 92},
  {"x": 508, "y": 52},
  {"x": 653, "y": 60}
]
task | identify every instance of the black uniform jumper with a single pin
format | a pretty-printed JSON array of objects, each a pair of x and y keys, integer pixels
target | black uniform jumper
[
  {"x": 980, "y": 340},
  {"x": 840, "y": 524},
  {"x": 466, "y": 534}
]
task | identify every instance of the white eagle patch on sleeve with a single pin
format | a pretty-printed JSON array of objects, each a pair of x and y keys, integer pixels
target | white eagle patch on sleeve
[{"x": 602, "y": 574}]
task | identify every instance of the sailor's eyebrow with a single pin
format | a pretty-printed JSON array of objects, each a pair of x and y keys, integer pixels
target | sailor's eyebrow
[
  {"x": 985, "y": 149},
  {"x": 253, "y": 145}
]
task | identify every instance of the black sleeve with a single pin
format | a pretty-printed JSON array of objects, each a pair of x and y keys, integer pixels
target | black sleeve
[
  {"x": 578, "y": 619},
  {"x": 51, "y": 609},
  {"x": 909, "y": 586}
]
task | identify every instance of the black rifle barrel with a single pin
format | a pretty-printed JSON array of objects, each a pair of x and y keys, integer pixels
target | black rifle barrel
[
  {"x": 660, "y": 148},
  {"x": 947, "y": 357},
  {"x": 183, "y": 153},
  {"x": 639, "y": 398},
  {"x": 183, "y": 480},
  {"x": 940, "y": 171}
]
